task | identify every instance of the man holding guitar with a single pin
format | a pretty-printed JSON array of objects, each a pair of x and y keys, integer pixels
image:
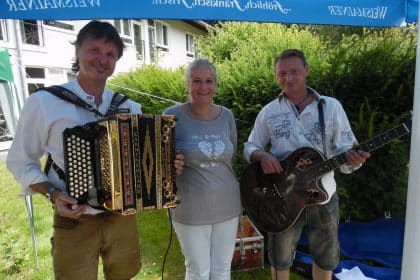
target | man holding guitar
[{"x": 297, "y": 123}]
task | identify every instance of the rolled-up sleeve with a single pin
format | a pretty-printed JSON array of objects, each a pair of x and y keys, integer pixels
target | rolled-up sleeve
[
  {"x": 258, "y": 137},
  {"x": 23, "y": 159},
  {"x": 344, "y": 138}
]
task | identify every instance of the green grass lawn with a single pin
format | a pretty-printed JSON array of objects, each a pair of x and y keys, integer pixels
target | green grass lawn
[{"x": 16, "y": 253}]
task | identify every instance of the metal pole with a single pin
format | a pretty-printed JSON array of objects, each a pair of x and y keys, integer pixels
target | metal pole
[
  {"x": 411, "y": 252},
  {"x": 29, "y": 208}
]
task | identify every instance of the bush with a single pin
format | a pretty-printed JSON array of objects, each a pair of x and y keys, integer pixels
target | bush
[
  {"x": 372, "y": 74},
  {"x": 153, "y": 87},
  {"x": 371, "y": 71}
]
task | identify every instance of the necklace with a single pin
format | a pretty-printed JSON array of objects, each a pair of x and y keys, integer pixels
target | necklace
[{"x": 300, "y": 102}]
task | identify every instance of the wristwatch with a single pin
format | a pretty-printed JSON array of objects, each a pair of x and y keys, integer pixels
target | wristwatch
[{"x": 50, "y": 191}]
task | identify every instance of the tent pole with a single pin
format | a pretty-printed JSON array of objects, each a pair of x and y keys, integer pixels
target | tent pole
[
  {"x": 22, "y": 89},
  {"x": 411, "y": 252},
  {"x": 30, "y": 210}
]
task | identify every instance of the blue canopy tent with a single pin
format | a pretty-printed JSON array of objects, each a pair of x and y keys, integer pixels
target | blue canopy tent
[
  {"x": 377, "y": 13},
  {"x": 339, "y": 12}
]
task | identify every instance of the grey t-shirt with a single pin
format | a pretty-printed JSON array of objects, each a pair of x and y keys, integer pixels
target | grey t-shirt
[{"x": 207, "y": 187}]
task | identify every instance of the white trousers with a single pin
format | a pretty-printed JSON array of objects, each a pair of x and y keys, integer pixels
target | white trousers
[{"x": 207, "y": 249}]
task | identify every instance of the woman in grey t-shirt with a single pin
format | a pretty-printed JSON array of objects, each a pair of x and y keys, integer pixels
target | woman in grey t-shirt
[{"x": 206, "y": 220}]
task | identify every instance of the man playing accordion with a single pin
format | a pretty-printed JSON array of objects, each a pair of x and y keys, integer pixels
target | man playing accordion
[{"x": 81, "y": 233}]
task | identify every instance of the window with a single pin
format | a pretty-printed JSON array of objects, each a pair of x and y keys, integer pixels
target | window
[
  {"x": 152, "y": 44},
  {"x": 71, "y": 76},
  {"x": 4, "y": 131},
  {"x": 32, "y": 72},
  {"x": 138, "y": 41},
  {"x": 32, "y": 87},
  {"x": 56, "y": 76},
  {"x": 160, "y": 35},
  {"x": 3, "y": 30},
  {"x": 123, "y": 27},
  {"x": 31, "y": 32},
  {"x": 190, "y": 45},
  {"x": 35, "y": 78}
]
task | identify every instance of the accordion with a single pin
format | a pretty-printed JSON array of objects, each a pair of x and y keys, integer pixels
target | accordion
[{"x": 123, "y": 163}]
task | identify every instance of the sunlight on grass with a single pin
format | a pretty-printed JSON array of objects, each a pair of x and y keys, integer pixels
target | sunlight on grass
[{"x": 17, "y": 257}]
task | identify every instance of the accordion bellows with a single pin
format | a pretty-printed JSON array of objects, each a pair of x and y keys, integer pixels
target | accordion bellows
[{"x": 122, "y": 163}]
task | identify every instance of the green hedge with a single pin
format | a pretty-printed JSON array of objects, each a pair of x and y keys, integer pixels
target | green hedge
[{"x": 371, "y": 71}]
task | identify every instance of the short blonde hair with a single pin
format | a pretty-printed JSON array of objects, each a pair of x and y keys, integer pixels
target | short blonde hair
[{"x": 200, "y": 63}]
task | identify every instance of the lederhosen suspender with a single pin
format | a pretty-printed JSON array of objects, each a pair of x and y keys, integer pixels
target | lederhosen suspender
[{"x": 69, "y": 96}]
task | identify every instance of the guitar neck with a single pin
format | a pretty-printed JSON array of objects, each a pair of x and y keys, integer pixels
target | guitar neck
[{"x": 370, "y": 145}]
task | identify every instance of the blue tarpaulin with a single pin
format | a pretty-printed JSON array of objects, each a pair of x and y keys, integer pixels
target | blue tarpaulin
[
  {"x": 334, "y": 12},
  {"x": 374, "y": 247}
]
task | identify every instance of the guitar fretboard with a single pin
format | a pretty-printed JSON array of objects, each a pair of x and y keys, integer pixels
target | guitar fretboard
[{"x": 370, "y": 145}]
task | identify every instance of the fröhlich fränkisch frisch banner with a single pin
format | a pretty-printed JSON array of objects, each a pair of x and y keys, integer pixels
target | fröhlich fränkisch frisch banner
[{"x": 334, "y": 12}]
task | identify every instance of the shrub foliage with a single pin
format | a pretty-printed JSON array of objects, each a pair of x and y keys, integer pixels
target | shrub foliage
[{"x": 371, "y": 71}]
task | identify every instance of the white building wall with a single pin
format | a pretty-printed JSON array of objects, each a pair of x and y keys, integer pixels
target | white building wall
[
  {"x": 177, "y": 54},
  {"x": 56, "y": 53}
]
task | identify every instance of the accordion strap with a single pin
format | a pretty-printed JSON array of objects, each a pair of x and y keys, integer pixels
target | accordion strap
[
  {"x": 69, "y": 96},
  {"x": 117, "y": 100},
  {"x": 50, "y": 163}
]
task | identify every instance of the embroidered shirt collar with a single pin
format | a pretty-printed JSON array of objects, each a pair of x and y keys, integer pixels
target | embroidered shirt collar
[
  {"x": 77, "y": 89},
  {"x": 311, "y": 91}
]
